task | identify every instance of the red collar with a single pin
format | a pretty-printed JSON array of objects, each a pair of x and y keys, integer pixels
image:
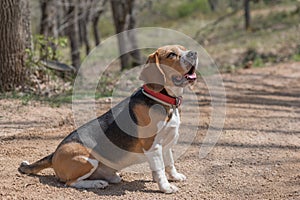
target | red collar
[{"x": 166, "y": 99}]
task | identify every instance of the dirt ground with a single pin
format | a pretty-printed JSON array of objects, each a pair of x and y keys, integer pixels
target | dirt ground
[{"x": 256, "y": 157}]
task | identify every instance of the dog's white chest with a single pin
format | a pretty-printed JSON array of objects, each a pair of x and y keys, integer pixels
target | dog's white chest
[{"x": 167, "y": 134}]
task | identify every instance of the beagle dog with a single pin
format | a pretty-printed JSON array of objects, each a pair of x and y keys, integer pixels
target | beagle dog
[{"x": 143, "y": 127}]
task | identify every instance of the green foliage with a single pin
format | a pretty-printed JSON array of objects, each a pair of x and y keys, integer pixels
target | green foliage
[
  {"x": 259, "y": 59},
  {"x": 228, "y": 69},
  {"x": 42, "y": 82},
  {"x": 258, "y": 62},
  {"x": 251, "y": 55},
  {"x": 166, "y": 10},
  {"x": 296, "y": 56},
  {"x": 189, "y": 7},
  {"x": 45, "y": 48}
]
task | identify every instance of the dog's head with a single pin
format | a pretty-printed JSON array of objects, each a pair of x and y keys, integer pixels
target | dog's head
[{"x": 170, "y": 66}]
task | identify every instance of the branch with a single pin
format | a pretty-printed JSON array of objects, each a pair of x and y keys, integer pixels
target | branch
[{"x": 211, "y": 26}]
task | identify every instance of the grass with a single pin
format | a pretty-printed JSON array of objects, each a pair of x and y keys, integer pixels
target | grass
[
  {"x": 25, "y": 98},
  {"x": 55, "y": 100},
  {"x": 296, "y": 57}
]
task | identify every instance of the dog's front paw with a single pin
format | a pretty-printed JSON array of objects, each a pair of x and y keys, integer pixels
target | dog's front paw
[
  {"x": 177, "y": 177},
  {"x": 174, "y": 175},
  {"x": 168, "y": 188}
]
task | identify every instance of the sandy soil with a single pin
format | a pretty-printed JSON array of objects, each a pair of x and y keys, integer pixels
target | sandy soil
[{"x": 256, "y": 157}]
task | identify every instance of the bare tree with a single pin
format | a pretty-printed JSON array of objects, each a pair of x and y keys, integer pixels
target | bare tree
[
  {"x": 72, "y": 31},
  {"x": 247, "y": 15},
  {"x": 26, "y": 17},
  {"x": 14, "y": 31},
  {"x": 72, "y": 18},
  {"x": 213, "y": 4},
  {"x": 49, "y": 24},
  {"x": 135, "y": 54},
  {"x": 124, "y": 19},
  {"x": 95, "y": 17},
  {"x": 90, "y": 11},
  {"x": 83, "y": 22}
]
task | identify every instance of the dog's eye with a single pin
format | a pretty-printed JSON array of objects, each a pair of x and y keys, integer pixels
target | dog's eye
[{"x": 172, "y": 55}]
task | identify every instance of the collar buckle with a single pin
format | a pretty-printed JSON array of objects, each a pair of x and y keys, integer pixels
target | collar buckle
[{"x": 178, "y": 101}]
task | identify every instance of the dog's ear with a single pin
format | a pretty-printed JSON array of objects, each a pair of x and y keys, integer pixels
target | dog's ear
[{"x": 152, "y": 74}]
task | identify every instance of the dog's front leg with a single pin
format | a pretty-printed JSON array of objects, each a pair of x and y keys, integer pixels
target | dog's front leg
[
  {"x": 156, "y": 162},
  {"x": 170, "y": 168}
]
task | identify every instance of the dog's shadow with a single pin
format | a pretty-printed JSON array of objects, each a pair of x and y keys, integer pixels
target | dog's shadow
[{"x": 112, "y": 190}]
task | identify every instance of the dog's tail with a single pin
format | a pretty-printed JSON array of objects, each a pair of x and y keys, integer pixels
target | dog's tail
[{"x": 34, "y": 168}]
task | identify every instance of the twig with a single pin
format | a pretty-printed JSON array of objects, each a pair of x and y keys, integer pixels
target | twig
[{"x": 214, "y": 23}]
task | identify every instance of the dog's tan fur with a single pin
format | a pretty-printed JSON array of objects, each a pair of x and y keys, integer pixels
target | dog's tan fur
[{"x": 68, "y": 159}]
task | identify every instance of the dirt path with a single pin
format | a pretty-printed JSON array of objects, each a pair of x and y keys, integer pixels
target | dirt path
[{"x": 256, "y": 157}]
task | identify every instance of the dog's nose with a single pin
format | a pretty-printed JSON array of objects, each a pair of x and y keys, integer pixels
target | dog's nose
[{"x": 192, "y": 54}]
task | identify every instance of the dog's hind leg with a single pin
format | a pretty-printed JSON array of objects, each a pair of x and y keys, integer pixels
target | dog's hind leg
[
  {"x": 81, "y": 182},
  {"x": 34, "y": 168},
  {"x": 74, "y": 164}
]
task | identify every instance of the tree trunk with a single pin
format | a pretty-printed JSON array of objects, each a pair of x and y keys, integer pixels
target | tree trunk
[
  {"x": 49, "y": 18},
  {"x": 247, "y": 15},
  {"x": 96, "y": 13},
  {"x": 135, "y": 54},
  {"x": 72, "y": 32},
  {"x": 213, "y": 5},
  {"x": 43, "y": 5},
  {"x": 119, "y": 10},
  {"x": 83, "y": 21},
  {"x": 13, "y": 34},
  {"x": 124, "y": 19},
  {"x": 96, "y": 32},
  {"x": 27, "y": 24}
]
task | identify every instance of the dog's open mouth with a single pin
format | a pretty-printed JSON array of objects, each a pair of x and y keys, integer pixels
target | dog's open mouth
[{"x": 189, "y": 77}]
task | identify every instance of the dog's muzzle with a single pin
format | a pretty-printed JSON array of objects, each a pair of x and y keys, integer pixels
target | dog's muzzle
[{"x": 190, "y": 61}]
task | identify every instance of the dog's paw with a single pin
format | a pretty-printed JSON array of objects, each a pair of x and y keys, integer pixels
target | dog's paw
[
  {"x": 114, "y": 179},
  {"x": 89, "y": 184},
  {"x": 100, "y": 184},
  {"x": 24, "y": 167},
  {"x": 177, "y": 177},
  {"x": 24, "y": 163},
  {"x": 168, "y": 188}
]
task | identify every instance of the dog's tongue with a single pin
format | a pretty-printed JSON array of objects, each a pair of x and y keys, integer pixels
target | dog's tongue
[{"x": 191, "y": 76}]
